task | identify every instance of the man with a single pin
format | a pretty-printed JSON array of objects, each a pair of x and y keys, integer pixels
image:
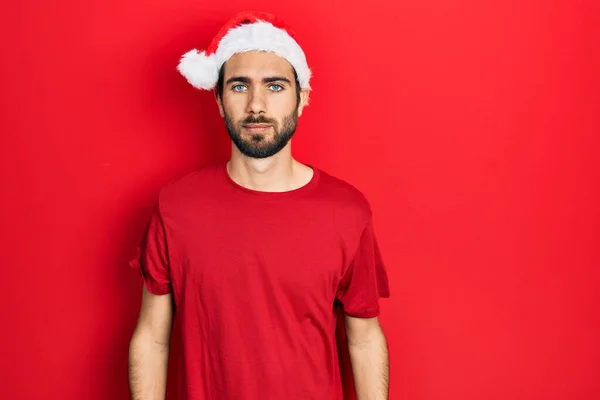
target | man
[{"x": 259, "y": 254}]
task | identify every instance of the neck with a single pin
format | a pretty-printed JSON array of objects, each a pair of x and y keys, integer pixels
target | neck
[{"x": 278, "y": 173}]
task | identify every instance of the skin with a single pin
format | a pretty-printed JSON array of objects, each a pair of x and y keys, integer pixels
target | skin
[{"x": 258, "y": 86}]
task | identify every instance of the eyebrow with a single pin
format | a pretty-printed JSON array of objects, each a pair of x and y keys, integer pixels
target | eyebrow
[{"x": 245, "y": 79}]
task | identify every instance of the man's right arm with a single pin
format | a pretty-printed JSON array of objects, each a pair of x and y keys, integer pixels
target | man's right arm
[{"x": 149, "y": 347}]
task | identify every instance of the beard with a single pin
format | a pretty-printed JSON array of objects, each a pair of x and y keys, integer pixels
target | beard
[{"x": 259, "y": 145}]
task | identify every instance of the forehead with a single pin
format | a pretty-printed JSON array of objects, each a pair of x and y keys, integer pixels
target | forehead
[{"x": 258, "y": 64}]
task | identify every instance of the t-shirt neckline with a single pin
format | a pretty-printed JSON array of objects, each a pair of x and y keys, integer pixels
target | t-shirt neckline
[{"x": 259, "y": 194}]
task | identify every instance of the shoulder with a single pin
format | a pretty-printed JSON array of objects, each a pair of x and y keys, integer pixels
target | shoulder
[
  {"x": 189, "y": 187},
  {"x": 344, "y": 195}
]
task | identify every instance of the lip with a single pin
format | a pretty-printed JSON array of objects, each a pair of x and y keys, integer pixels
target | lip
[{"x": 257, "y": 127}]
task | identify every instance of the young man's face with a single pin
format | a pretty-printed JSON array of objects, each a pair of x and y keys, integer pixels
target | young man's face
[{"x": 259, "y": 102}]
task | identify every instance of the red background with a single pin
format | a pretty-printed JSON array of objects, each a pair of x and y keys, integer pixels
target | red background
[{"x": 471, "y": 126}]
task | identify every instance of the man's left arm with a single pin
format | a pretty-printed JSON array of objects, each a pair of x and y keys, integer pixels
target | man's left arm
[{"x": 369, "y": 357}]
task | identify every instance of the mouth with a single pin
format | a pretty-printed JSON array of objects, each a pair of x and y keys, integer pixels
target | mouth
[{"x": 257, "y": 127}]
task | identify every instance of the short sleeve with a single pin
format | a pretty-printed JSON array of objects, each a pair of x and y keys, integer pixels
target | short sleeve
[
  {"x": 152, "y": 258},
  {"x": 365, "y": 281}
]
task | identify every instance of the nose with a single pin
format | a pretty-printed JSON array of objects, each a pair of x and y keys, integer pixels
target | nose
[{"x": 256, "y": 101}]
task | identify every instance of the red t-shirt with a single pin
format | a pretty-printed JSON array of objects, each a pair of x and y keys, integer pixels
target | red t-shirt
[{"x": 259, "y": 279}]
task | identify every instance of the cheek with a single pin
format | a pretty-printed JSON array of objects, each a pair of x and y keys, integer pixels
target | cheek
[
  {"x": 280, "y": 107},
  {"x": 234, "y": 106}
]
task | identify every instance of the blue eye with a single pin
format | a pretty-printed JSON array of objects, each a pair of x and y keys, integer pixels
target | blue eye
[
  {"x": 238, "y": 88},
  {"x": 276, "y": 88}
]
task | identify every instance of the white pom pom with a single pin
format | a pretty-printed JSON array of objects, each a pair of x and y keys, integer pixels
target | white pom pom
[{"x": 200, "y": 70}]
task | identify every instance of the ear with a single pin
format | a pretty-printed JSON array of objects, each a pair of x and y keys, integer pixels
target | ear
[
  {"x": 303, "y": 100},
  {"x": 220, "y": 104}
]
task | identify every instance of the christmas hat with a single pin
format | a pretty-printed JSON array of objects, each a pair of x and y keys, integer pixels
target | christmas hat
[{"x": 247, "y": 31}]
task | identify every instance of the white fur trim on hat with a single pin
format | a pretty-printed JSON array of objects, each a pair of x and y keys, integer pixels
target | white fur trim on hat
[{"x": 202, "y": 70}]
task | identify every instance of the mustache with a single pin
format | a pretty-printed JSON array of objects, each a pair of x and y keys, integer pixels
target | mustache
[{"x": 261, "y": 119}]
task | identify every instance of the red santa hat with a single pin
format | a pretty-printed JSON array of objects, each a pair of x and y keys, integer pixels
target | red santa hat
[{"x": 247, "y": 31}]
